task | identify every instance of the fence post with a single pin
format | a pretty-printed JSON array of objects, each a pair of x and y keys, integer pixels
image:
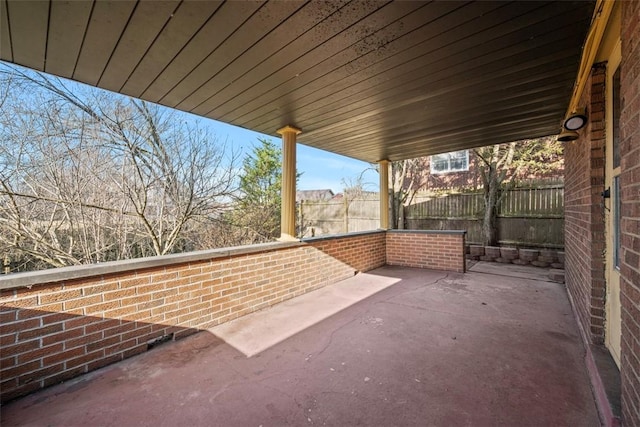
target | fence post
[
  {"x": 301, "y": 219},
  {"x": 346, "y": 213}
]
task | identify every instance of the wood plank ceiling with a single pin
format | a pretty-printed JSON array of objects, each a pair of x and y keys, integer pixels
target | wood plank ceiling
[{"x": 367, "y": 79}]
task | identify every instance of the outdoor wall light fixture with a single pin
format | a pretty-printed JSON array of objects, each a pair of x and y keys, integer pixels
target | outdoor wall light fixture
[
  {"x": 576, "y": 120},
  {"x": 567, "y": 135}
]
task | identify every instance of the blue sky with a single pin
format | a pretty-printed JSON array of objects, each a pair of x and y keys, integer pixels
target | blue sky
[{"x": 320, "y": 169}]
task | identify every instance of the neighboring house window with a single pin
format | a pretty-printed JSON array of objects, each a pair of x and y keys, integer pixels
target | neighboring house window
[{"x": 457, "y": 161}]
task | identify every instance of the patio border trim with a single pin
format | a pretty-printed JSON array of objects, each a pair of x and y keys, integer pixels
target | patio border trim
[
  {"x": 342, "y": 235},
  {"x": 455, "y": 232},
  {"x": 91, "y": 270},
  {"x": 61, "y": 274}
]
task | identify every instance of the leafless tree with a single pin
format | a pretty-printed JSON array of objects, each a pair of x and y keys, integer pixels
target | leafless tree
[
  {"x": 406, "y": 177},
  {"x": 502, "y": 164},
  {"x": 88, "y": 176},
  {"x": 354, "y": 189}
]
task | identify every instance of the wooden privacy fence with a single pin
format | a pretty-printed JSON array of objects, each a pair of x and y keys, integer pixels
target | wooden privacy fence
[
  {"x": 318, "y": 218},
  {"x": 545, "y": 202},
  {"x": 526, "y": 217}
]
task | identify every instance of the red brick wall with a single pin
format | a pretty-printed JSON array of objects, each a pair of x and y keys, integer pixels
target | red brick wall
[
  {"x": 55, "y": 331},
  {"x": 362, "y": 251},
  {"x": 584, "y": 213},
  {"x": 584, "y": 219},
  {"x": 630, "y": 226},
  {"x": 426, "y": 249}
]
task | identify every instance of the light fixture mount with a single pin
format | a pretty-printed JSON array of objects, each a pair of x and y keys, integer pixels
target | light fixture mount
[
  {"x": 567, "y": 135},
  {"x": 576, "y": 120}
]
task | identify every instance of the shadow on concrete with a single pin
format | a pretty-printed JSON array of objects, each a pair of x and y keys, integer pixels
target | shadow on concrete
[
  {"x": 51, "y": 347},
  {"x": 431, "y": 349}
]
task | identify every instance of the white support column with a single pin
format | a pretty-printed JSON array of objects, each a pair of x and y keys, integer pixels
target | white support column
[
  {"x": 384, "y": 194},
  {"x": 288, "y": 195}
]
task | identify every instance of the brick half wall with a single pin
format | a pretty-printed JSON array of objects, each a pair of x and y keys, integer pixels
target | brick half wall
[
  {"x": 58, "y": 324},
  {"x": 57, "y": 328},
  {"x": 362, "y": 251},
  {"x": 437, "y": 250}
]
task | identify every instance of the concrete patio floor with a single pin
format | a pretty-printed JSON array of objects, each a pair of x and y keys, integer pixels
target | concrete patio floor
[{"x": 428, "y": 348}]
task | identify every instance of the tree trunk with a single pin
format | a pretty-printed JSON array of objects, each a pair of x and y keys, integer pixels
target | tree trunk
[
  {"x": 489, "y": 221},
  {"x": 394, "y": 211}
]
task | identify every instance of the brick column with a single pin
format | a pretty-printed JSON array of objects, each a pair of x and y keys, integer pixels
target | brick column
[
  {"x": 584, "y": 212},
  {"x": 630, "y": 225}
]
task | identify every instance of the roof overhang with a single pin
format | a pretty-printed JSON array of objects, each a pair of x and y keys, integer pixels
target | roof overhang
[{"x": 367, "y": 79}]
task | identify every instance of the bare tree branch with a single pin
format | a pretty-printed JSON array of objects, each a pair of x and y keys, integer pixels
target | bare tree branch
[{"x": 89, "y": 176}]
